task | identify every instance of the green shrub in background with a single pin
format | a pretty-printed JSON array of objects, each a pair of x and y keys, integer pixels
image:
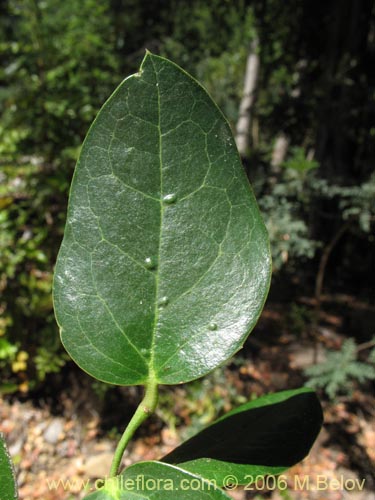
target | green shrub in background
[
  {"x": 26, "y": 251},
  {"x": 286, "y": 206},
  {"x": 296, "y": 198},
  {"x": 339, "y": 373},
  {"x": 58, "y": 66}
]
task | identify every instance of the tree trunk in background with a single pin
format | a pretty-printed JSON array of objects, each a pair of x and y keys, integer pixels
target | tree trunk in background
[
  {"x": 248, "y": 99},
  {"x": 279, "y": 151}
]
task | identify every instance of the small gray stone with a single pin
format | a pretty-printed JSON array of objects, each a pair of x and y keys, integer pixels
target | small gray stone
[
  {"x": 53, "y": 431},
  {"x": 16, "y": 447}
]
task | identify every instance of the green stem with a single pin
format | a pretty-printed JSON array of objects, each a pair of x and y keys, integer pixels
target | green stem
[{"x": 144, "y": 410}]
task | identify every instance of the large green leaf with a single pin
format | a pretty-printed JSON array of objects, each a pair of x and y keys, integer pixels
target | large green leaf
[
  {"x": 8, "y": 488},
  {"x": 165, "y": 265},
  {"x": 264, "y": 436},
  {"x": 156, "y": 481}
]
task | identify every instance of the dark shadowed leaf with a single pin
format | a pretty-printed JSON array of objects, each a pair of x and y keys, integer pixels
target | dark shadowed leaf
[
  {"x": 264, "y": 436},
  {"x": 165, "y": 265}
]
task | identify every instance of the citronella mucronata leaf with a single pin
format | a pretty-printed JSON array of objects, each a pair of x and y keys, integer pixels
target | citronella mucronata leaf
[
  {"x": 165, "y": 265},
  {"x": 265, "y": 436}
]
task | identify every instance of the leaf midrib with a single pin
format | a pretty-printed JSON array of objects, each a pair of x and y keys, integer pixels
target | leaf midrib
[{"x": 152, "y": 374}]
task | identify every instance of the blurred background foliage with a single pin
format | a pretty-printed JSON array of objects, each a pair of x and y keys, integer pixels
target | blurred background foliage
[{"x": 315, "y": 92}]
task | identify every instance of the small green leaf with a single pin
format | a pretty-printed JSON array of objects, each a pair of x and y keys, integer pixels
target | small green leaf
[
  {"x": 165, "y": 264},
  {"x": 8, "y": 487},
  {"x": 157, "y": 481},
  {"x": 265, "y": 436}
]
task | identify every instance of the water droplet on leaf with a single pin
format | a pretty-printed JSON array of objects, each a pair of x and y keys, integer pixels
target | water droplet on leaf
[
  {"x": 212, "y": 326},
  {"x": 163, "y": 301},
  {"x": 170, "y": 198},
  {"x": 150, "y": 263}
]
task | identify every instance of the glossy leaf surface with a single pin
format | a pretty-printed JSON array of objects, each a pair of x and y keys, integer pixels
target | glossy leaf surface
[
  {"x": 8, "y": 487},
  {"x": 157, "y": 481},
  {"x": 164, "y": 266},
  {"x": 264, "y": 436}
]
